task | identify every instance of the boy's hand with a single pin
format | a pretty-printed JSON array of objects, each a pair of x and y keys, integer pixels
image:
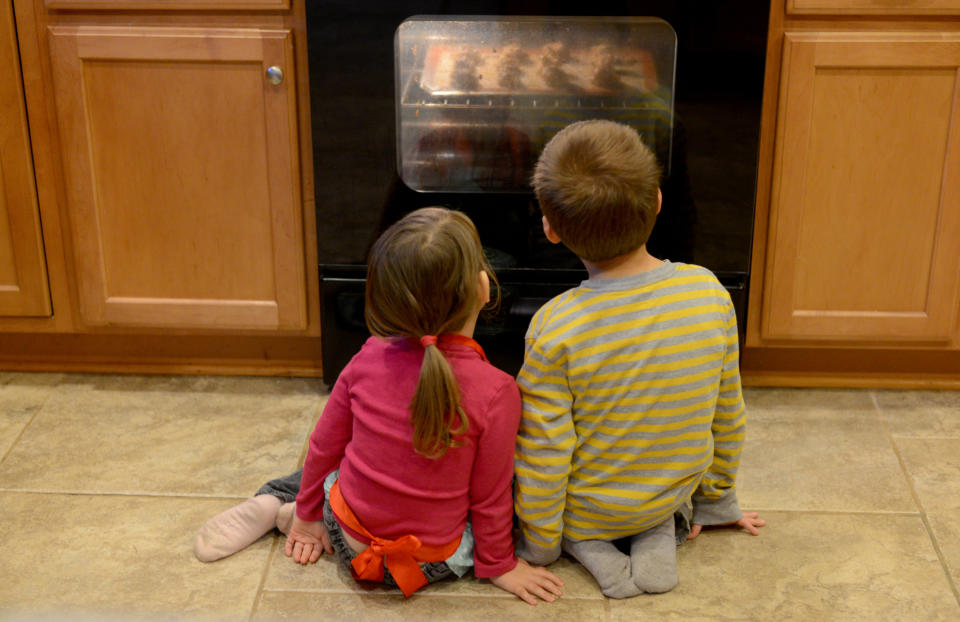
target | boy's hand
[
  {"x": 748, "y": 521},
  {"x": 307, "y": 541},
  {"x": 528, "y": 582}
]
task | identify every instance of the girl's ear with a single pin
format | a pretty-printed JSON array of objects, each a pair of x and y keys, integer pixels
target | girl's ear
[
  {"x": 659, "y": 200},
  {"x": 483, "y": 288},
  {"x": 549, "y": 232}
]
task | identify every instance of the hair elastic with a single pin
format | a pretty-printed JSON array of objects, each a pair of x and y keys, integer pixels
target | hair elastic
[{"x": 428, "y": 340}]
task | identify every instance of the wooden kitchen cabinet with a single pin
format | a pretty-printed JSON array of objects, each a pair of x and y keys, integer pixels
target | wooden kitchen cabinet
[
  {"x": 23, "y": 277},
  {"x": 173, "y": 182},
  {"x": 865, "y": 209},
  {"x": 168, "y": 5},
  {"x": 873, "y": 7},
  {"x": 182, "y": 175},
  {"x": 855, "y": 277}
]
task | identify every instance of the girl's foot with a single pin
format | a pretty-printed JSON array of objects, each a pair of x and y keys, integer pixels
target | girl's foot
[{"x": 236, "y": 528}]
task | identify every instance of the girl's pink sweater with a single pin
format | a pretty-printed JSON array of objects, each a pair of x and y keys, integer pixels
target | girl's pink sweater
[{"x": 365, "y": 430}]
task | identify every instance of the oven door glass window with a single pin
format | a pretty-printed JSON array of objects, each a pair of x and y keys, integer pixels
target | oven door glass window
[{"x": 478, "y": 98}]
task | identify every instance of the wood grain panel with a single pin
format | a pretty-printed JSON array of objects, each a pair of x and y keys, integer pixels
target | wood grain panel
[
  {"x": 172, "y": 5},
  {"x": 874, "y": 7},
  {"x": 164, "y": 353},
  {"x": 865, "y": 209},
  {"x": 23, "y": 277},
  {"x": 840, "y": 259},
  {"x": 183, "y": 177}
]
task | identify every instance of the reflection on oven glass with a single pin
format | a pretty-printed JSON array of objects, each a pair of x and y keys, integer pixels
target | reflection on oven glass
[
  {"x": 478, "y": 98},
  {"x": 459, "y": 157}
]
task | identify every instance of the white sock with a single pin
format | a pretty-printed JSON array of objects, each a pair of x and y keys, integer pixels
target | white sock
[
  {"x": 236, "y": 528},
  {"x": 285, "y": 517}
]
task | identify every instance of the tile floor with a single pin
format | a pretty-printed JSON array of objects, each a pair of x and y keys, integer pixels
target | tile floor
[{"x": 104, "y": 481}]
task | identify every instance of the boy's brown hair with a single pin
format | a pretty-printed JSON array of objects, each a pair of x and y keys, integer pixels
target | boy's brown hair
[
  {"x": 597, "y": 185},
  {"x": 422, "y": 279}
]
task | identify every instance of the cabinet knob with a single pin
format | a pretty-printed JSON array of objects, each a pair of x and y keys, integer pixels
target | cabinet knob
[{"x": 274, "y": 75}]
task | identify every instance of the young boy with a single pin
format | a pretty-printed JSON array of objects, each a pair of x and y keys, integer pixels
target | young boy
[{"x": 632, "y": 409}]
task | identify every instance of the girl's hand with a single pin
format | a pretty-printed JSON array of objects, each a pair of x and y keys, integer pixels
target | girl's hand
[
  {"x": 528, "y": 582},
  {"x": 748, "y": 521},
  {"x": 307, "y": 541}
]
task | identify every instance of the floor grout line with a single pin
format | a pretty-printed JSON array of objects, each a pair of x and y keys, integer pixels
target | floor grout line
[
  {"x": 258, "y": 595},
  {"x": 916, "y": 499},
  {"x": 23, "y": 430},
  {"x": 112, "y": 493},
  {"x": 835, "y": 512},
  {"x": 925, "y": 438},
  {"x": 176, "y": 495},
  {"x": 384, "y": 594}
]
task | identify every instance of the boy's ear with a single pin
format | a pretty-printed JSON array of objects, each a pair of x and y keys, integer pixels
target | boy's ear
[
  {"x": 659, "y": 200},
  {"x": 549, "y": 232}
]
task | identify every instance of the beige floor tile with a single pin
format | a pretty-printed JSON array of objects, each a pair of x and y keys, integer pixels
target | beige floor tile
[
  {"x": 934, "y": 466},
  {"x": 805, "y": 399},
  {"x": 823, "y": 567},
  {"x": 263, "y": 386},
  {"x": 323, "y": 576},
  {"x": 164, "y": 435},
  {"x": 390, "y": 608},
  {"x": 128, "y": 557},
  {"x": 99, "y": 392},
  {"x": 819, "y": 450},
  {"x": 329, "y": 576},
  {"x": 21, "y": 396},
  {"x": 11, "y": 425},
  {"x": 24, "y": 391},
  {"x": 921, "y": 413}
]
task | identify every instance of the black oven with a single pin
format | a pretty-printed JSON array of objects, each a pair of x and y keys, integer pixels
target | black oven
[{"x": 708, "y": 190}]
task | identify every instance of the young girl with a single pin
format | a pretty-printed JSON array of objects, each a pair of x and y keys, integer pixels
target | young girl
[{"x": 418, "y": 434}]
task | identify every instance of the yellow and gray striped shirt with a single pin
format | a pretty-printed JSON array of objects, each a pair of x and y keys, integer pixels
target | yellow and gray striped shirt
[{"x": 631, "y": 406}]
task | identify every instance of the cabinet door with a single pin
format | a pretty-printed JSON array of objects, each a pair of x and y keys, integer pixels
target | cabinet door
[
  {"x": 23, "y": 277},
  {"x": 865, "y": 211},
  {"x": 168, "y": 5},
  {"x": 182, "y": 176},
  {"x": 874, "y": 7}
]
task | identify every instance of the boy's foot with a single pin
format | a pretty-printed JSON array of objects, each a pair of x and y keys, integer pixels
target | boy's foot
[
  {"x": 653, "y": 558},
  {"x": 285, "y": 517},
  {"x": 236, "y": 528},
  {"x": 609, "y": 566}
]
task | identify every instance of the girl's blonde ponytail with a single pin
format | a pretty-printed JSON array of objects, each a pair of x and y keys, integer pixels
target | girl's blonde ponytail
[{"x": 435, "y": 411}]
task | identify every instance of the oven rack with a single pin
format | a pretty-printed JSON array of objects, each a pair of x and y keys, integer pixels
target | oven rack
[{"x": 415, "y": 96}]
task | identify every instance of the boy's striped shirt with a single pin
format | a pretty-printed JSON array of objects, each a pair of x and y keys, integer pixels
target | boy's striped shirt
[{"x": 631, "y": 404}]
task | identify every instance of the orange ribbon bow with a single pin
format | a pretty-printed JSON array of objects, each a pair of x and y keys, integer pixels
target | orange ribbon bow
[{"x": 401, "y": 556}]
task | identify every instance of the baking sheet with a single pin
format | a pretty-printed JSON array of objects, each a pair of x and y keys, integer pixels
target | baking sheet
[{"x": 545, "y": 70}]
